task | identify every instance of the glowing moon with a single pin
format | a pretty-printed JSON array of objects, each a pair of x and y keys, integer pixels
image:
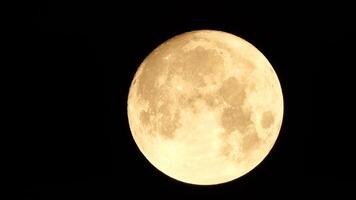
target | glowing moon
[{"x": 205, "y": 107}]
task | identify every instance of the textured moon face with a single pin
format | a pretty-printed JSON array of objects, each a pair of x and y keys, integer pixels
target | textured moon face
[{"x": 205, "y": 107}]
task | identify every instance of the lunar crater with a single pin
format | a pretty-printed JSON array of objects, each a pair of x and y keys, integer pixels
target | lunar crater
[
  {"x": 234, "y": 118},
  {"x": 233, "y": 92},
  {"x": 267, "y": 119}
]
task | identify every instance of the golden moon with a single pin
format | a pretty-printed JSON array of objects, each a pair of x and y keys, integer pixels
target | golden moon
[{"x": 205, "y": 107}]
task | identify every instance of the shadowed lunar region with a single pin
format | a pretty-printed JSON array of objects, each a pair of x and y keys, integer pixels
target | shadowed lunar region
[{"x": 205, "y": 107}]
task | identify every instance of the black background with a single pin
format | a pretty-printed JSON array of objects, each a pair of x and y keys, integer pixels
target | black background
[{"x": 72, "y": 70}]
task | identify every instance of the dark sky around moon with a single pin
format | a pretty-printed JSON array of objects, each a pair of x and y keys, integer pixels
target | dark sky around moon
[{"x": 72, "y": 67}]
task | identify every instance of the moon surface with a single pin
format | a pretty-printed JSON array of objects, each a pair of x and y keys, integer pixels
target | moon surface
[{"x": 205, "y": 107}]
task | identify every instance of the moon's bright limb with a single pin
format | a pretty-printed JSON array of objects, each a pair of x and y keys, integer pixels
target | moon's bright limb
[{"x": 205, "y": 107}]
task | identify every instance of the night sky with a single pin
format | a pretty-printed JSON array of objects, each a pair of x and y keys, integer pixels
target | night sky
[{"x": 74, "y": 65}]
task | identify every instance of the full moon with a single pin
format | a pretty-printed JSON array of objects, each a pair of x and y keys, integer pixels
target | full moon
[{"x": 205, "y": 107}]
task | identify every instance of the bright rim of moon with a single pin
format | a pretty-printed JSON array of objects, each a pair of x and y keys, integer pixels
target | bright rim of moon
[{"x": 205, "y": 107}]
